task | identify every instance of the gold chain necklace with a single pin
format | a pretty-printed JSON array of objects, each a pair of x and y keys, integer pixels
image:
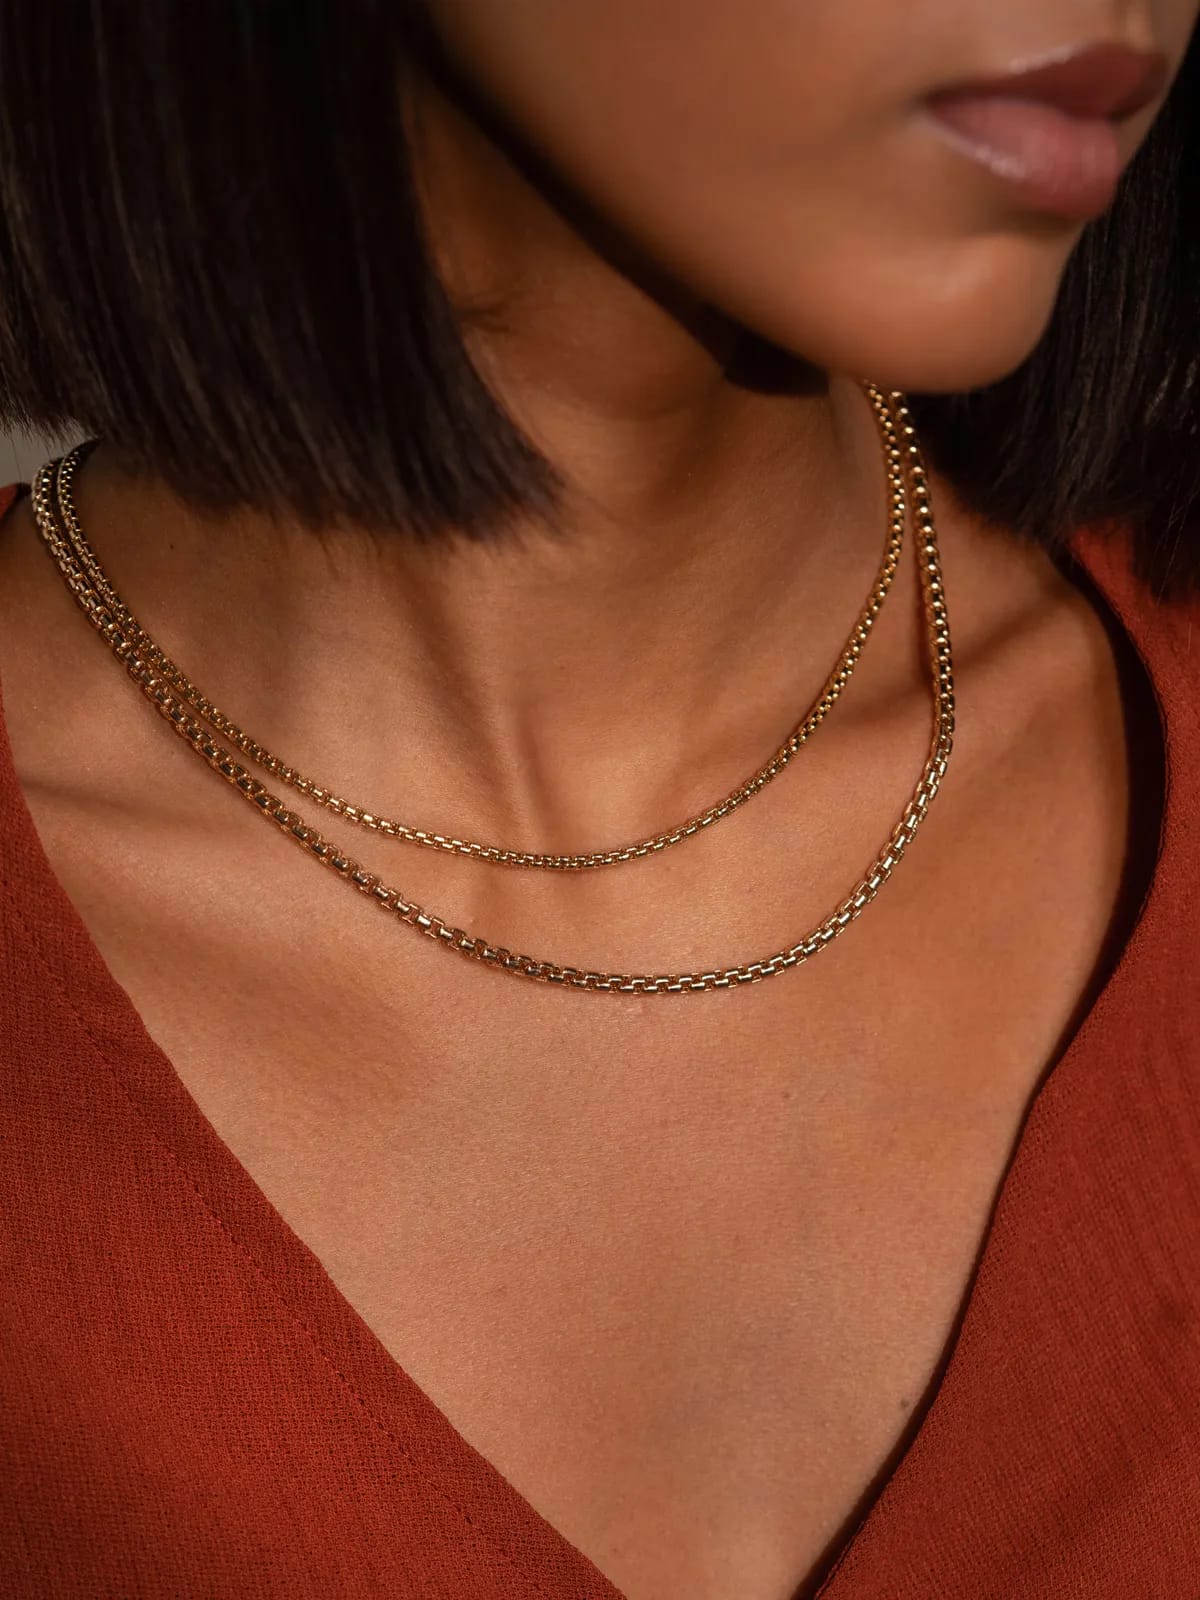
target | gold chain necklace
[
  {"x": 145, "y": 672},
  {"x": 323, "y": 796}
]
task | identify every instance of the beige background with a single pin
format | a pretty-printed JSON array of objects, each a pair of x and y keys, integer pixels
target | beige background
[{"x": 21, "y": 454}]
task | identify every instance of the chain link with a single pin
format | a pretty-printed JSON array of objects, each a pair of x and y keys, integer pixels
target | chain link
[{"x": 145, "y": 669}]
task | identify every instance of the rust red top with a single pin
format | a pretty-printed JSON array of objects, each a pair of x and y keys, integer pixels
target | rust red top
[{"x": 189, "y": 1407}]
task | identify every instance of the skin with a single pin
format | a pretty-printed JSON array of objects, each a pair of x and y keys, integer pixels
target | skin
[{"x": 682, "y": 1272}]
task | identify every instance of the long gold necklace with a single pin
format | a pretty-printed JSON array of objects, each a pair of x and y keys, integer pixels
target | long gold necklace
[
  {"x": 146, "y": 671},
  {"x": 322, "y": 795}
]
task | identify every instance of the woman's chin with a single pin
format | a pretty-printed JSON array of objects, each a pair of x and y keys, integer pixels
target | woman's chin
[
  {"x": 938, "y": 329},
  {"x": 941, "y": 362}
]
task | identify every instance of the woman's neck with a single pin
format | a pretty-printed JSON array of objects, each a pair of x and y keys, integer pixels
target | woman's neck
[{"x": 717, "y": 541}]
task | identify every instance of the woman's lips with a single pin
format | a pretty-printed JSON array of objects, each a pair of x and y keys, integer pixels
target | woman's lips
[
  {"x": 1052, "y": 161},
  {"x": 1048, "y": 128}
]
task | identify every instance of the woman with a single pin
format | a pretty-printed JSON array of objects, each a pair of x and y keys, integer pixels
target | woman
[{"x": 501, "y": 413}]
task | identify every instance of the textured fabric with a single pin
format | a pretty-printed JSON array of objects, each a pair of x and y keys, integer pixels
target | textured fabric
[{"x": 191, "y": 1408}]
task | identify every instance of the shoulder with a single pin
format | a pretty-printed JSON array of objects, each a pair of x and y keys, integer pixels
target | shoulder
[
  {"x": 1165, "y": 634},
  {"x": 1165, "y": 630}
]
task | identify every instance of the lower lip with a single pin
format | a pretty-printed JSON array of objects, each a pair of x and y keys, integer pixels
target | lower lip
[{"x": 1050, "y": 161}]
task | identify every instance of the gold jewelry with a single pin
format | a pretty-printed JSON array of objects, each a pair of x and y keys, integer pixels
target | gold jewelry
[
  {"x": 224, "y": 725},
  {"x": 158, "y": 690}
]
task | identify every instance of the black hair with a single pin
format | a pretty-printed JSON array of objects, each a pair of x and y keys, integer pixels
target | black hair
[{"x": 188, "y": 190}]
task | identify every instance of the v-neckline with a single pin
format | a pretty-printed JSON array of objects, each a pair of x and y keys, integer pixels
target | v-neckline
[{"x": 373, "y": 1379}]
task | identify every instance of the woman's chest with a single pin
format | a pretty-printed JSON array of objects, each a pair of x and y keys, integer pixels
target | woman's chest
[
  {"x": 682, "y": 1269},
  {"x": 683, "y": 1281}
]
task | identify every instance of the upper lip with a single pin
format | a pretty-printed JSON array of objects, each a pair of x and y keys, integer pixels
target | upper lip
[{"x": 1096, "y": 80}]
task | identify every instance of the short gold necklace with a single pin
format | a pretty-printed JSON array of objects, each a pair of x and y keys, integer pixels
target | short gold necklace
[
  {"x": 223, "y": 724},
  {"x": 128, "y": 645}
]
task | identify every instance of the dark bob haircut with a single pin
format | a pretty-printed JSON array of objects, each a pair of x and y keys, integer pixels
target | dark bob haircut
[{"x": 211, "y": 256}]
